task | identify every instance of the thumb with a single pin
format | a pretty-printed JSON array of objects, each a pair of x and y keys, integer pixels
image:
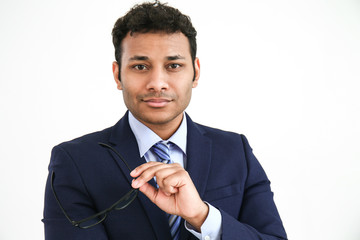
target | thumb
[{"x": 149, "y": 191}]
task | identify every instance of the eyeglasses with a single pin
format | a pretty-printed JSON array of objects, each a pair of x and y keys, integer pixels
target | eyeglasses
[{"x": 93, "y": 220}]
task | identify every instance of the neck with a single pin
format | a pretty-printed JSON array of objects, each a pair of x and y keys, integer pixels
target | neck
[{"x": 167, "y": 129}]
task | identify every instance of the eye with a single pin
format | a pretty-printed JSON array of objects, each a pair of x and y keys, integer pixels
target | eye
[
  {"x": 174, "y": 65},
  {"x": 140, "y": 67}
]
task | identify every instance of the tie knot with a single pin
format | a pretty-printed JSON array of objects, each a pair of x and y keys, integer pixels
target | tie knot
[{"x": 161, "y": 150}]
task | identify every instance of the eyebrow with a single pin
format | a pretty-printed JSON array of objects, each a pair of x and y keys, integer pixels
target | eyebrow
[
  {"x": 145, "y": 58},
  {"x": 176, "y": 57},
  {"x": 139, "y": 58}
]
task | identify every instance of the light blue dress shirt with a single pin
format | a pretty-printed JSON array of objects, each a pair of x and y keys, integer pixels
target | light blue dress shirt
[{"x": 146, "y": 138}]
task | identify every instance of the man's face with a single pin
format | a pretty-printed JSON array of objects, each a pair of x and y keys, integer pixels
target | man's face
[{"x": 157, "y": 76}]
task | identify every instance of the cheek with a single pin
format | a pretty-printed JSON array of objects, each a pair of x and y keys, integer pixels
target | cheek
[
  {"x": 127, "y": 86},
  {"x": 186, "y": 92},
  {"x": 127, "y": 92},
  {"x": 129, "y": 99}
]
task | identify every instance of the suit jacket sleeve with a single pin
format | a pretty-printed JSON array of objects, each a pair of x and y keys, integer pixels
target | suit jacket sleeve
[
  {"x": 258, "y": 217},
  {"x": 74, "y": 198}
]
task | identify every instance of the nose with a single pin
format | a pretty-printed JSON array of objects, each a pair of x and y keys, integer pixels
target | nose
[{"x": 157, "y": 80}]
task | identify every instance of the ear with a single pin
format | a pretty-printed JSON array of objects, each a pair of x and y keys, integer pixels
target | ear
[
  {"x": 116, "y": 69},
  {"x": 197, "y": 72}
]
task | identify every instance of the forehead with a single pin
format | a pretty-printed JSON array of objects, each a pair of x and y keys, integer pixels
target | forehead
[{"x": 155, "y": 45}]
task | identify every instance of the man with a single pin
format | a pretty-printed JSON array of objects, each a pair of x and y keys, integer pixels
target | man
[{"x": 194, "y": 182}]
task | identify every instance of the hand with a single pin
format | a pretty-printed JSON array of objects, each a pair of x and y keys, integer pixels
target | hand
[{"x": 176, "y": 194}]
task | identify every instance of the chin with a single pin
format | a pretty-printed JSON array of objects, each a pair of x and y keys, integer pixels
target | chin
[{"x": 158, "y": 118}]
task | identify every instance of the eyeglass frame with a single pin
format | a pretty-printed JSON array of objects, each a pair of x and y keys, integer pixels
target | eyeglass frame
[{"x": 104, "y": 212}]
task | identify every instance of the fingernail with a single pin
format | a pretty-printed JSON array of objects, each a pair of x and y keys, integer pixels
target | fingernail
[{"x": 134, "y": 183}]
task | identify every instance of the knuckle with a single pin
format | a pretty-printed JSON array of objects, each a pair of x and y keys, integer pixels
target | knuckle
[{"x": 177, "y": 165}]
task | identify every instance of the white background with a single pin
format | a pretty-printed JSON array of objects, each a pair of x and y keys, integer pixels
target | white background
[{"x": 284, "y": 73}]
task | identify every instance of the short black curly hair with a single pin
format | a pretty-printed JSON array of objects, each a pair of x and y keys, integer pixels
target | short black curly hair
[{"x": 153, "y": 17}]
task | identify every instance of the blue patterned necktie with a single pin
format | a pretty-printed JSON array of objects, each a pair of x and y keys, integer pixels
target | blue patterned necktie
[{"x": 161, "y": 150}]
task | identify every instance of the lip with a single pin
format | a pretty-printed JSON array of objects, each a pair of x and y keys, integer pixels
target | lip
[{"x": 157, "y": 102}]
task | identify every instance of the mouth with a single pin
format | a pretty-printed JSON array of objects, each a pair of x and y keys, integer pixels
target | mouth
[{"x": 157, "y": 102}]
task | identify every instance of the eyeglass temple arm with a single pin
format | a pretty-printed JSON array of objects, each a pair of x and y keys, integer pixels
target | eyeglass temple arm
[
  {"x": 116, "y": 152},
  {"x": 75, "y": 223},
  {"x": 57, "y": 199}
]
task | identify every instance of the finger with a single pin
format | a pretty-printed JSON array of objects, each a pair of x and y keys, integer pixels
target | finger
[
  {"x": 163, "y": 172},
  {"x": 149, "y": 191},
  {"x": 163, "y": 201},
  {"x": 168, "y": 178},
  {"x": 154, "y": 194},
  {"x": 138, "y": 170},
  {"x": 173, "y": 182},
  {"x": 147, "y": 173}
]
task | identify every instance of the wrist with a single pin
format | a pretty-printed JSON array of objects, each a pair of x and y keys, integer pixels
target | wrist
[{"x": 199, "y": 218}]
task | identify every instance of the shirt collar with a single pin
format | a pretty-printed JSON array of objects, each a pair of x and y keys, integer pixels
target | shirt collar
[{"x": 146, "y": 138}]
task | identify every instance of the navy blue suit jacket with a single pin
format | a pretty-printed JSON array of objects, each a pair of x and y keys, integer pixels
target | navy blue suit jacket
[{"x": 90, "y": 178}]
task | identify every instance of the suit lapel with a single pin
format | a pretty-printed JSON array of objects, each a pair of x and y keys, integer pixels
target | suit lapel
[
  {"x": 124, "y": 141},
  {"x": 198, "y": 153},
  {"x": 198, "y": 156}
]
